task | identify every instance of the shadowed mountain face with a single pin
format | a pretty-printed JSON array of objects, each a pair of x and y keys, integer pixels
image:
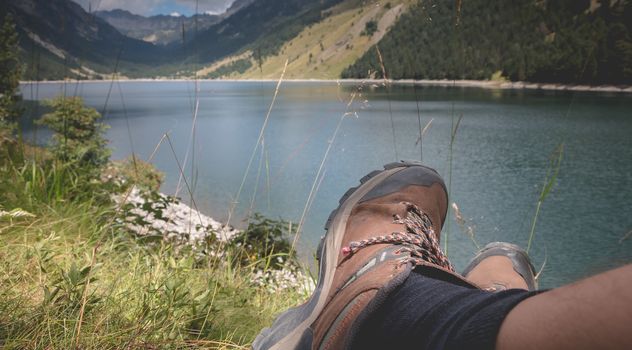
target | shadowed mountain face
[
  {"x": 60, "y": 32},
  {"x": 60, "y": 39},
  {"x": 236, "y": 6},
  {"x": 262, "y": 25},
  {"x": 161, "y": 30}
]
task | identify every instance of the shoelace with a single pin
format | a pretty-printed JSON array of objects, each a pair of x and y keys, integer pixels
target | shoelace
[{"x": 418, "y": 239}]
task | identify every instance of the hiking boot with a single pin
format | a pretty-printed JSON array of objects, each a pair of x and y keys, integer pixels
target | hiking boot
[
  {"x": 381, "y": 230},
  {"x": 501, "y": 266}
]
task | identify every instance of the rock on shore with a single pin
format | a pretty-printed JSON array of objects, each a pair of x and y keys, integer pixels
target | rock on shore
[{"x": 156, "y": 214}]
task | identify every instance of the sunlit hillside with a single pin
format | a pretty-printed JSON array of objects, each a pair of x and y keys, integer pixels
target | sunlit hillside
[{"x": 322, "y": 50}]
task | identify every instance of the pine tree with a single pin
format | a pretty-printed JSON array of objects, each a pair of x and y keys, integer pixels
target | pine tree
[
  {"x": 78, "y": 136},
  {"x": 10, "y": 72}
]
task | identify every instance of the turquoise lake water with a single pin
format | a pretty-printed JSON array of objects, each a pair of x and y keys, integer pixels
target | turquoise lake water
[{"x": 500, "y": 155}]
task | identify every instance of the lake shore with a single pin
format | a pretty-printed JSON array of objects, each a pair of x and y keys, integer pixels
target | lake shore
[
  {"x": 484, "y": 84},
  {"x": 167, "y": 218}
]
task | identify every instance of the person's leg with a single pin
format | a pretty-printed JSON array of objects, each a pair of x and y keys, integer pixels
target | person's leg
[
  {"x": 383, "y": 277},
  {"x": 427, "y": 312},
  {"x": 430, "y": 311},
  {"x": 381, "y": 231},
  {"x": 595, "y": 313}
]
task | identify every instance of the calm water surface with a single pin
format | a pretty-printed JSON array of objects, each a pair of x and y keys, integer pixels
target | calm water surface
[{"x": 500, "y": 155}]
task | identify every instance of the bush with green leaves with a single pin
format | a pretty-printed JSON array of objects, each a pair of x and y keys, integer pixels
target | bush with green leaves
[
  {"x": 132, "y": 172},
  {"x": 264, "y": 243},
  {"x": 78, "y": 136}
]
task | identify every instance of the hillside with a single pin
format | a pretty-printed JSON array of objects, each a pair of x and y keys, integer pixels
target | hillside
[
  {"x": 167, "y": 29},
  {"x": 59, "y": 39},
  {"x": 542, "y": 41},
  {"x": 161, "y": 30},
  {"x": 569, "y": 41},
  {"x": 263, "y": 26},
  {"x": 321, "y": 50}
]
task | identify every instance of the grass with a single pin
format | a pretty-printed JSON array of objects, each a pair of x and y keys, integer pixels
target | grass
[
  {"x": 549, "y": 181},
  {"x": 138, "y": 296},
  {"x": 72, "y": 277}
]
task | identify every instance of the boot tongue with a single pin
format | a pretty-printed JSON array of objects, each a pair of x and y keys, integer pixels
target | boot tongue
[{"x": 416, "y": 238}]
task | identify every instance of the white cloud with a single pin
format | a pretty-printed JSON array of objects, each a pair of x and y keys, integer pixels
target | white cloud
[
  {"x": 175, "y": 14},
  {"x": 205, "y": 6}
]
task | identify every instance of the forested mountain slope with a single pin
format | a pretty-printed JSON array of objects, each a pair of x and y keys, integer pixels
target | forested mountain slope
[{"x": 562, "y": 41}]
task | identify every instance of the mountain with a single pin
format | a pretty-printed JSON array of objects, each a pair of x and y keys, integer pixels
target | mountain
[
  {"x": 263, "y": 26},
  {"x": 160, "y": 29},
  {"x": 322, "y": 50},
  {"x": 557, "y": 41},
  {"x": 59, "y": 39},
  {"x": 236, "y": 6}
]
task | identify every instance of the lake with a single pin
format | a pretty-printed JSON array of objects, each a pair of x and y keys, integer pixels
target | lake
[{"x": 499, "y": 156}]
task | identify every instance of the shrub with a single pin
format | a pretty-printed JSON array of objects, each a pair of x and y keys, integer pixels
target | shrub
[
  {"x": 132, "y": 172},
  {"x": 370, "y": 28},
  {"x": 77, "y": 134},
  {"x": 264, "y": 243}
]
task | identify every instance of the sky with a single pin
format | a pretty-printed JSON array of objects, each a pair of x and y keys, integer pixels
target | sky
[{"x": 157, "y": 7}]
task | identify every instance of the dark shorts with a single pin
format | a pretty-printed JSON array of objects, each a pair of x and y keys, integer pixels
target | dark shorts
[{"x": 428, "y": 313}]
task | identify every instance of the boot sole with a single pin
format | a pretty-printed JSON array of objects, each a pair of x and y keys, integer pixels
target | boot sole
[{"x": 290, "y": 330}]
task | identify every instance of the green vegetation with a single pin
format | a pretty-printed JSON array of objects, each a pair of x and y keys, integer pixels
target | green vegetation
[
  {"x": 238, "y": 67},
  {"x": 322, "y": 50},
  {"x": 70, "y": 279},
  {"x": 264, "y": 237},
  {"x": 77, "y": 136},
  {"x": 370, "y": 28},
  {"x": 288, "y": 28},
  {"x": 10, "y": 72},
  {"x": 569, "y": 41},
  {"x": 544, "y": 41},
  {"x": 262, "y": 27},
  {"x": 74, "y": 276}
]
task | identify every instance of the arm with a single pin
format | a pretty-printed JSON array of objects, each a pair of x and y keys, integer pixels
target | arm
[{"x": 590, "y": 314}]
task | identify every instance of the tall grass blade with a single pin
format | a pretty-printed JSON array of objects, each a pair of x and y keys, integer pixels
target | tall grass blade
[
  {"x": 387, "y": 86},
  {"x": 254, "y": 151},
  {"x": 549, "y": 181}
]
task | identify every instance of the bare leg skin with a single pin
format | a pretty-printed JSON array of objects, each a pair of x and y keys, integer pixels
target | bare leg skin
[{"x": 595, "y": 313}]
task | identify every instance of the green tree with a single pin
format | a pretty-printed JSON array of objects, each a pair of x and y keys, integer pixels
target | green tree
[
  {"x": 10, "y": 71},
  {"x": 78, "y": 136},
  {"x": 370, "y": 28},
  {"x": 565, "y": 41}
]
